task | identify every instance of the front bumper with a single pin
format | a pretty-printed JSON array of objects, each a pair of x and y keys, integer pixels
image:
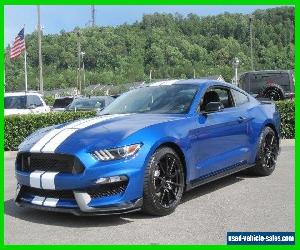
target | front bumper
[
  {"x": 99, "y": 200},
  {"x": 82, "y": 194},
  {"x": 128, "y": 207}
]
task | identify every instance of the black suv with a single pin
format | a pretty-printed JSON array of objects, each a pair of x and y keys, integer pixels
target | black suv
[{"x": 272, "y": 84}]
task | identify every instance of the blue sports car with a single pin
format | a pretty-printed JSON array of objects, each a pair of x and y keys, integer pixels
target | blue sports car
[{"x": 146, "y": 148}]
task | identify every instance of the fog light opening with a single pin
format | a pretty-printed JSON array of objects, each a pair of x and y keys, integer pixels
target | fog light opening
[{"x": 111, "y": 179}]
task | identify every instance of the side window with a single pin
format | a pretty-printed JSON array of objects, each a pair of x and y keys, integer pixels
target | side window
[
  {"x": 37, "y": 101},
  {"x": 33, "y": 100},
  {"x": 29, "y": 101},
  {"x": 217, "y": 94},
  {"x": 239, "y": 97}
]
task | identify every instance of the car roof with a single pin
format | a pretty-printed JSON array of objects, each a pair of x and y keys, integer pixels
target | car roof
[
  {"x": 191, "y": 81},
  {"x": 199, "y": 82},
  {"x": 21, "y": 93},
  {"x": 92, "y": 98},
  {"x": 268, "y": 71},
  {"x": 65, "y": 97}
]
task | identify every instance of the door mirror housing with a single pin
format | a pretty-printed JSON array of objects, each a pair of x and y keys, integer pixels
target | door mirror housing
[
  {"x": 212, "y": 107},
  {"x": 32, "y": 106}
]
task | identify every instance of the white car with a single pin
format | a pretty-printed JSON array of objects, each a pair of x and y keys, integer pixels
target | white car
[{"x": 19, "y": 103}]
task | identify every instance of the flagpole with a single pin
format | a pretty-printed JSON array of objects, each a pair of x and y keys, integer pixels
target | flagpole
[{"x": 25, "y": 62}]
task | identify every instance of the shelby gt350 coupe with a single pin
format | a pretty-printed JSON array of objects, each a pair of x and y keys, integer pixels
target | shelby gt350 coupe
[{"x": 146, "y": 148}]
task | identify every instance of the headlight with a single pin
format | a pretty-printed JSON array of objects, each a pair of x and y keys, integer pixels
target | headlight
[{"x": 116, "y": 153}]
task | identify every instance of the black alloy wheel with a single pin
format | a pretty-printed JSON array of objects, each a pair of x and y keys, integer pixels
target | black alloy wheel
[
  {"x": 267, "y": 153},
  {"x": 164, "y": 182},
  {"x": 167, "y": 180},
  {"x": 270, "y": 151}
]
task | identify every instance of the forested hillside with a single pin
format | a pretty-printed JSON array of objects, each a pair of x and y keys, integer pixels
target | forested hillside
[{"x": 169, "y": 45}]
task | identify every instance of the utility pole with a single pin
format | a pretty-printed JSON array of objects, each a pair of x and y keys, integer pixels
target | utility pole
[
  {"x": 25, "y": 62},
  {"x": 291, "y": 40},
  {"x": 83, "y": 70},
  {"x": 93, "y": 15},
  {"x": 79, "y": 64},
  {"x": 194, "y": 73},
  {"x": 40, "y": 48},
  {"x": 251, "y": 17},
  {"x": 150, "y": 75}
]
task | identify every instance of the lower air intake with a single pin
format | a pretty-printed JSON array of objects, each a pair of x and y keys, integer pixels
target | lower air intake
[
  {"x": 105, "y": 190},
  {"x": 57, "y": 194}
]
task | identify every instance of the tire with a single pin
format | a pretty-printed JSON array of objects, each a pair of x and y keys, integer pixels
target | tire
[
  {"x": 274, "y": 93},
  {"x": 163, "y": 182},
  {"x": 267, "y": 152}
]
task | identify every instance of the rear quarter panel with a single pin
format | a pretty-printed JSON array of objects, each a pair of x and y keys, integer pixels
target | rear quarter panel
[{"x": 263, "y": 114}]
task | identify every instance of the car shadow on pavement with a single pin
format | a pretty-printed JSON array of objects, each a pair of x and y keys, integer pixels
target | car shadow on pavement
[
  {"x": 201, "y": 191},
  {"x": 212, "y": 187},
  {"x": 61, "y": 219},
  {"x": 69, "y": 220}
]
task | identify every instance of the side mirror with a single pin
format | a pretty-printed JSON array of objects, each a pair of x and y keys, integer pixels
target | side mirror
[
  {"x": 31, "y": 106},
  {"x": 213, "y": 107}
]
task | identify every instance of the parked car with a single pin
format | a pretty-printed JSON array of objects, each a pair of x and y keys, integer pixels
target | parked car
[
  {"x": 61, "y": 103},
  {"x": 272, "y": 84},
  {"x": 148, "y": 147},
  {"x": 19, "y": 103},
  {"x": 89, "y": 103}
]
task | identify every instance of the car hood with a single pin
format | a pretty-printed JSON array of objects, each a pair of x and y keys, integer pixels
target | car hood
[{"x": 103, "y": 131}]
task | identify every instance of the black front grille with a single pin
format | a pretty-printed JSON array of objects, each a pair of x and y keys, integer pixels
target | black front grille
[
  {"x": 30, "y": 162},
  {"x": 58, "y": 194},
  {"x": 105, "y": 190}
]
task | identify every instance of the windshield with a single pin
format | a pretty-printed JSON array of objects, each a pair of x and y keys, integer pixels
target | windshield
[
  {"x": 87, "y": 104},
  {"x": 15, "y": 102},
  {"x": 166, "y": 99}
]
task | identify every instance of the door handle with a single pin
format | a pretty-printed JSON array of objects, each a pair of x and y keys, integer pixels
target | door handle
[{"x": 242, "y": 119}]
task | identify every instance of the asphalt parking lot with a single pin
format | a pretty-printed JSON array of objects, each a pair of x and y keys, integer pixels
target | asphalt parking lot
[{"x": 235, "y": 203}]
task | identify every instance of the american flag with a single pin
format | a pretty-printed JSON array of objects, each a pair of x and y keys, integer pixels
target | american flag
[{"x": 18, "y": 46}]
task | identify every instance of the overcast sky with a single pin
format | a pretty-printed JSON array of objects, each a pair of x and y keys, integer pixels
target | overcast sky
[{"x": 56, "y": 18}]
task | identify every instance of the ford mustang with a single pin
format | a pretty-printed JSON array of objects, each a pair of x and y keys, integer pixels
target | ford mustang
[{"x": 146, "y": 148}]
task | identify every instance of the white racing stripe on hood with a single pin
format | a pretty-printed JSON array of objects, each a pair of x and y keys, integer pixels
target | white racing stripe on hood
[
  {"x": 57, "y": 140},
  {"x": 46, "y": 138},
  {"x": 49, "y": 142},
  {"x": 95, "y": 121},
  {"x": 41, "y": 143},
  {"x": 76, "y": 123},
  {"x": 161, "y": 83}
]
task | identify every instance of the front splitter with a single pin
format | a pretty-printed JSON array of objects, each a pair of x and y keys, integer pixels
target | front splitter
[{"x": 128, "y": 207}]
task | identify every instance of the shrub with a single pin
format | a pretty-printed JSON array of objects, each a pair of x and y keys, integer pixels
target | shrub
[
  {"x": 49, "y": 100},
  {"x": 18, "y": 127},
  {"x": 287, "y": 116}
]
